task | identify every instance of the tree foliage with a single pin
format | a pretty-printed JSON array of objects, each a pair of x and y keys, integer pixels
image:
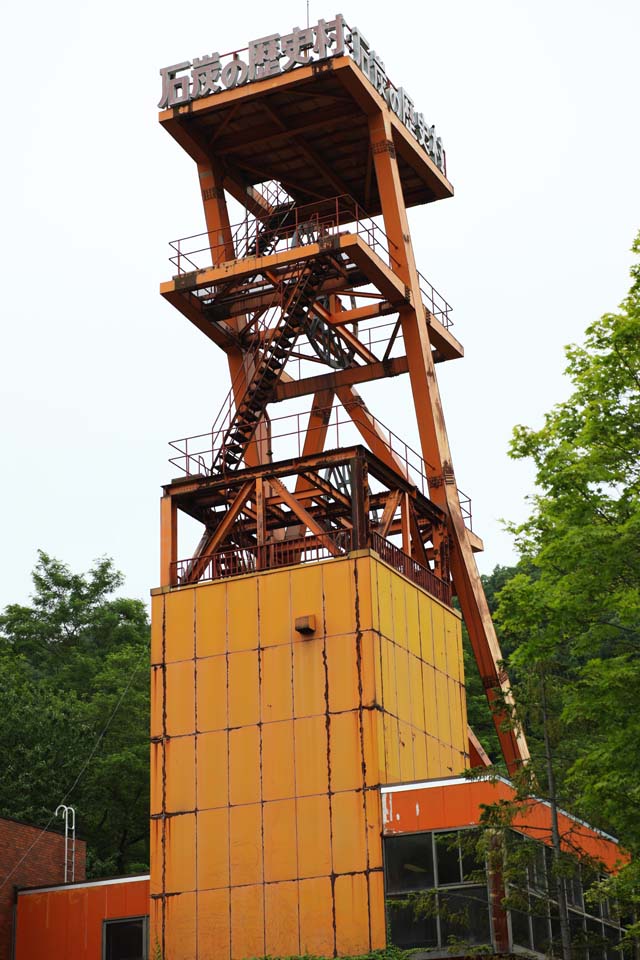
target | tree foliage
[{"x": 74, "y": 706}]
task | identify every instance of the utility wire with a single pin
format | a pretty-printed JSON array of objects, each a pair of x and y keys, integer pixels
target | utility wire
[{"x": 78, "y": 778}]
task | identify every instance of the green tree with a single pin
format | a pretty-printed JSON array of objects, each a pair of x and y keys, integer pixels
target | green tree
[{"x": 74, "y": 710}]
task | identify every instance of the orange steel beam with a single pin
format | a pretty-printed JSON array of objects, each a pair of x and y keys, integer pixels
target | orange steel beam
[
  {"x": 168, "y": 540},
  {"x": 389, "y": 512},
  {"x": 434, "y": 441},
  {"x": 211, "y": 540},
  {"x": 307, "y": 520},
  {"x": 341, "y": 378}
]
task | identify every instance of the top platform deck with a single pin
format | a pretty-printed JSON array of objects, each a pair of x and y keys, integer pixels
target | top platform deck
[{"x": 307, "y": 129}]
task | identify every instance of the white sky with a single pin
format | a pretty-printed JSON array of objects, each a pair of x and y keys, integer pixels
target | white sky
[{"x": 537, "y": 104}]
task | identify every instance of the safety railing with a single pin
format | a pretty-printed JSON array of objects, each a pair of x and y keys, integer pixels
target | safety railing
[
  {"x": 411, "y": 569},
  {"x": 296, "y": 226},
  {"x": 435, "y": 302}
]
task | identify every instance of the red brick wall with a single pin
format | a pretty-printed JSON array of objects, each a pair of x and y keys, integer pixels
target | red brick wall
[{"x": 42, "y": 865}]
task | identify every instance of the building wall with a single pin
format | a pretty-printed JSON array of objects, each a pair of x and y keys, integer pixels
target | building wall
[
  {"x": 269, "y": 748},
  {"x": 66, "y": 923},
  {"x": 43, "y": 864}
]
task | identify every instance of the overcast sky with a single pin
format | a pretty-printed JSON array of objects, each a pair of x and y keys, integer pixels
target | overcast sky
[{"x": 537, "y": 104}]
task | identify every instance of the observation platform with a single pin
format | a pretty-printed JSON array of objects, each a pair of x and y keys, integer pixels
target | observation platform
[{"x": 309, "y": 130}]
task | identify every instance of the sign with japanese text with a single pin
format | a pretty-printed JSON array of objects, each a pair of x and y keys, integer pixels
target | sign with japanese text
[{"x": 279, "y": 53}]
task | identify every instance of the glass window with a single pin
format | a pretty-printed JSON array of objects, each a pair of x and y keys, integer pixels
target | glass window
[
  {"x": 448, "y": 854},
  {"x": 408, "y": 930},
  {"x": 125, "y": 939},
  {"x": 520, "y": 929},
  {"x": 464, "y": 916},
  {"x": 409, "y": 863}
]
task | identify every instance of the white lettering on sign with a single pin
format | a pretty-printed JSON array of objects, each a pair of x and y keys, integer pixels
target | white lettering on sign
[{"x": 275, "y": 54}]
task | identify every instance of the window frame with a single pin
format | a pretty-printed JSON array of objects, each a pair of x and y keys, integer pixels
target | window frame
[{"x": 145, "y": 932}]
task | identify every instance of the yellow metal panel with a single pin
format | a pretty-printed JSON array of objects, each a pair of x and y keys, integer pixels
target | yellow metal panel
[
  {"x": 242, "y": 607},
  {"x": 180, "y": 770},
  {"x": 309, "y": 679},
  {"x": 417, "y": 693},
  {"x": 406, "y": 752},
  {"x": 310, "y": 735},
  {"x": 421, "y": 769},
  {"x": 180, "y": 846},
  {"x": 349, "y": 840},
  {"x": 402, "y": 684},
  {"x": 281, "y": 919},
  {"x": 439, "y": 637},
  {"x": 280, "y": 855},
  {"x": 275, "y": 609},
  {"x": 352, "y": 915},
  {"x": 314, "y": 836},
  {"x": 425, "y": 606},
  {"x": 245, "y": 844},
  {"x": 278, "y": 779},
  {"x": 244, "y": 690},
  {"x": 306, "y": 596},
  {"x": 374, "y": 566},
  {"x": 156, "y": 855},
  {"x": 434, "y": 766},
  {"x": 389, "y": 690},
  {"x": 339, "y": 594},
  {"x": 180, "y": 927},
  {"x": 392, "y": 748},
  {"x": 342, "y": 669},
  {"x": 373, "y": 745},
  {"x": 430, "y": 703},
  {"x": 378, "y": 920},
  {"x": 398, "y": 594},
  {"x": 365, "y": 593},
  {"x": 413, "y": 621},
  {"x": 374, "y": 828},
  {"x": 446, "y": 759},
  {"x": 316, "y": 917},
  {"x": 213, "y": 770},
  {"x": 212, "y": 693},
  {"x": 276, "y": 689},
  {"x": 157, "y": 621},
  {"x": 385, "y": 609},
  {"x": 244, "y": 765},
  {"x": 458, "y": 733},
  {"x": 179, "y": 624},
  {"x": 213, "y": 925},
  {"x": 452, "y": 629},
  {"x": 180, "y": 703},
  {"x": 247, "y": 922},
  {"x": 369, "y": 659},
  {"x": 346, "y": 753},
  {"x": 444, "y": 723},
  {"x": 213, "y": 848},
  {"x": 211, "y": 619},
  {"x": 157, "y": 701}
]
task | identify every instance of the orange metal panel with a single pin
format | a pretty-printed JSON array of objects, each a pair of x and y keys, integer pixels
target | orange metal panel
[
  {"x": 244, "y": 764},
  {"x": 245, "y": 833},
  {"x": 352, "y": 914},
  {"x": 385, "y": 608},
  {"x": 373, "y": 747},
  {"x": 211, "y": 619},
  {"x": 349, "y": 841},
  {"x": 309, "y": 679},
  {"x": 389, "y": 686},
  {"x": 310, "y": 735},
  {"x": 314, "y": 836},
  {"x": 282, "y": 936},
  {"x": 244, "y": 698},
  {"x": 342, "y": 670},
  {"x": 276, "y": 692},
  {"x": 377, "y": 918},
  {"x": 345, "y": 751},
  {"x": 157, "y": 761},
  {"x": 157, "y": 618},
  {"x": 157, "y": 701},
  {"x": 179, "y": 629},
  {"x": 212, "y": 751},
  {"x": 306, "y": 595},
  {"x": 275, "y": 609},
  {"x": 373, "y": 815},
  {"x": 179, "y": 705},
  {"x": 242, "y": 606},
  {"x": 316, "y": 917},
  {"x": 280, "y": 855},
  {"x": 212, "y": 849},
  {"x": 369, "y": 661},
  {"x": 213, "y": 925},
  {"x": 180, "y": 774},
  {"x": 180, "y": 845},
  {"x": 278, "y": 775},
  {"x": 212, "y": 693},
  {"x": 180, "y": 927},
  {"x": 338, "y": 582},
  {"x": 247, "y": 922}
]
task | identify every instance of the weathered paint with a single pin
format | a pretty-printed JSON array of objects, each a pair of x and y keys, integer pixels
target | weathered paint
[
  {"x": 65, "y": 923},
  {"x": 273, "y": 746}
]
